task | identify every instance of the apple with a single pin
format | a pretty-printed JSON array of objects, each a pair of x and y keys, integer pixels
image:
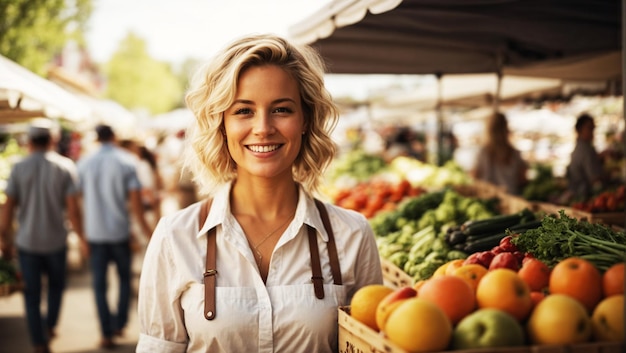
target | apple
[
  {"x": 485, "y": 258},
  {"x": 506, "y": 245},
  {"x": 486, "y": 328},
  {"x": 390, "y": 302},
  {"x": 472, "y": 259},
  {"x": 607, "y": 319},
  {"x": 504, "y": 260}
]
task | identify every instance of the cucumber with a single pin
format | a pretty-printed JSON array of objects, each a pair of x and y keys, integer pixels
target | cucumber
[
  {"x": 497, "y": 223},
  {"x": 484, "y": 244}
]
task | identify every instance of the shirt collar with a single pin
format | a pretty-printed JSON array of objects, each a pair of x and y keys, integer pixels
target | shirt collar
[{"x": 306, "y": 211}]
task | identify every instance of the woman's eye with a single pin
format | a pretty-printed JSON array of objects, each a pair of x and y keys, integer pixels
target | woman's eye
[
  {"x": 282, "y": 110},
  {"x": 243, "y": 111}
]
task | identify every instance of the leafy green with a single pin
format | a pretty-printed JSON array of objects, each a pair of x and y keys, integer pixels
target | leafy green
[{"x": 561, "y": 237}]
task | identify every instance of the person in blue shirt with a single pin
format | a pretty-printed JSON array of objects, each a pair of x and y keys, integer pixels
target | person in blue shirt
[{"x": 109, "y": 183}]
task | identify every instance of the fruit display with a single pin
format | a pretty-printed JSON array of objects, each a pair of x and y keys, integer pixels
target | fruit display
[
  {"x": 375, "y": 195},
  {"x": 357, "y": 165},
  {"x": 429, "y": 175},
  {"x": 606, "y": 201},
  {"x": 502, "y": 308},
  {"x": 482, "y": 278}
]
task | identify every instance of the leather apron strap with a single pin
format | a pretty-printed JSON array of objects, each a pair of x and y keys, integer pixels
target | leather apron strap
[
  {"x": 210, "y": 268},
  {"x": 210, "y": 272}
]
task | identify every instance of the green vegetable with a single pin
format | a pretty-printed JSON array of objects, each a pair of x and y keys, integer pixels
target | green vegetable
[
  {"x": 496, "y": 223},
  {"x": 561, "y": 237},
  {"x": 483, "y": 244},
  {"x": 455, "y": 255}
]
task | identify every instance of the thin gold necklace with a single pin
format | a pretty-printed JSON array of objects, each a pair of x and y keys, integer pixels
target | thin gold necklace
[{"x": 255, "y": 248}]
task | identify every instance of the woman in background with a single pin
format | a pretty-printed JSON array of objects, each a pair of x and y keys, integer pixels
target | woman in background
[{"x": 498, "y": 162}]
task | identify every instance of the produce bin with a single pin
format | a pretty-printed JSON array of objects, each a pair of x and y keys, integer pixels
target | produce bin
[
  {"x": 356, "y": 337},
  {"x": 393, "y": 276},
  {"x": 510, "y": 204},
  {"x": 480, "y": 189}
]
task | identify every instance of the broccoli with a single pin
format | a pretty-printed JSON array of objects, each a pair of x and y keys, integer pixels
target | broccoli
[{"x": 423, "y": 270}]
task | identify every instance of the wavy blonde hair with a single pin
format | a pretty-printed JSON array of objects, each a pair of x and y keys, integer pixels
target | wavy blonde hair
[{"x": 213, "y": 90}]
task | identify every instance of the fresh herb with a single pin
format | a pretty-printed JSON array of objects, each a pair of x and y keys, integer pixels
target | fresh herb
[{"x": 561, "y": 237}]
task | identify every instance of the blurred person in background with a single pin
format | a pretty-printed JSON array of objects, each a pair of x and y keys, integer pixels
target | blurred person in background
[
  {"x": 151, "y": 181},
  {"x": 259, "y": 146},
  {"x": 585, "y": 172},
  {"x": 43, "y": 190},
  {"x": 109, "y": 183},
  {"x": 498, "y": 161}
]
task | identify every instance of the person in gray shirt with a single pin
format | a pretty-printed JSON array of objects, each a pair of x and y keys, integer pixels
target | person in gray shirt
[{"x": 42, "y": 189}]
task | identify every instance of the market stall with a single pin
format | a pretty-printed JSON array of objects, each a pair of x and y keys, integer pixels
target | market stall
[{"x": 25, "y": 95}]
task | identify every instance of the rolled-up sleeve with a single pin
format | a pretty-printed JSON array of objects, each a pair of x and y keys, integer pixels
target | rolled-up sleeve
[{"x": 161, "y": 323}]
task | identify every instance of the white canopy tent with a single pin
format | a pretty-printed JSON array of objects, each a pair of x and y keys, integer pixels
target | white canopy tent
[{"x": 25, "y": 95}]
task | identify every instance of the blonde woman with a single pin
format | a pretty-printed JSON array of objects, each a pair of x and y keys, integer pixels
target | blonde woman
[{"x": 259, "y": 145}]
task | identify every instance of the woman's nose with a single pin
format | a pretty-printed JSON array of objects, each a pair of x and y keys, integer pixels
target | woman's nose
[{"x": 263, "y": 124}]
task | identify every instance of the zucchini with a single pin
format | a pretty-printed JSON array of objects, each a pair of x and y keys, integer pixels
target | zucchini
[
  {"x": 497, "y": 223},
  {"x": 484, "y": 244},
  {"x": 525, "y": 226}
]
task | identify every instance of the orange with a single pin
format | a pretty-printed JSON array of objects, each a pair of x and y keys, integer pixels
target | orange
[
  {"x": 559, "y": 319},
  {"x": 453, "y": 265},
  {"x": 447, "y": 267},
  {"x": 607, "y": 319},
  {"x": 613, "y": 280},
  {"x": 537, "y": 297},
  {"x": 579, "y": 279},
  {"x": 503, "y": 289},
  {"x": 535, "y": 273},
  {"x": 450, "y": 293},
  {"x": 418, "y": 325},
  {"x": 365, "y": 301},
  {"x": 472, "y": 273}
]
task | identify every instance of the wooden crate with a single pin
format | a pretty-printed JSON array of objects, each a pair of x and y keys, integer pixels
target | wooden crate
[
  {"x": 356, "y": 337},
  {"x": 510, "y": 204},
  {"x": 393, "y": 276}
]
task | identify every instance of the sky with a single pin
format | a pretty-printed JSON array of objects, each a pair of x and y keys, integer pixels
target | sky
[
  {"x": 179, "y": 29},
  {"x": 175, "y": 30}
]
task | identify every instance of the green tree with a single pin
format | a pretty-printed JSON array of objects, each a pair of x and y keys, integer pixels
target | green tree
[
  {"x": 32, "y": 32},
  {"x": 137, "y": 81}
]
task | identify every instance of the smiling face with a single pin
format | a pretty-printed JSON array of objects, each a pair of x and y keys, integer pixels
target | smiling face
[{"x": 265, "y": 123}]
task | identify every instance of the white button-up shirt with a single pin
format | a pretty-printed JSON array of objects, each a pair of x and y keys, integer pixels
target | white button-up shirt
[{"x": 282, "y": 315}]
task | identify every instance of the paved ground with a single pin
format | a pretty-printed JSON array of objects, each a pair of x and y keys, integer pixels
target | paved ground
[{"x": 78, "y": 328}]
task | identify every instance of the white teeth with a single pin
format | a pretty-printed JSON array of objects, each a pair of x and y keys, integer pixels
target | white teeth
[{"x": 263, "y": 149}]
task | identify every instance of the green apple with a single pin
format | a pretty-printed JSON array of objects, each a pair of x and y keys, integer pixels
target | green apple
[{"x": 486, "y": 328}]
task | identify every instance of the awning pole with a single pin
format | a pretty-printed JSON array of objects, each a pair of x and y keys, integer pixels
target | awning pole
[
  {"x": 496, "y": 99},
  {"x": 439, "y": 109}
]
